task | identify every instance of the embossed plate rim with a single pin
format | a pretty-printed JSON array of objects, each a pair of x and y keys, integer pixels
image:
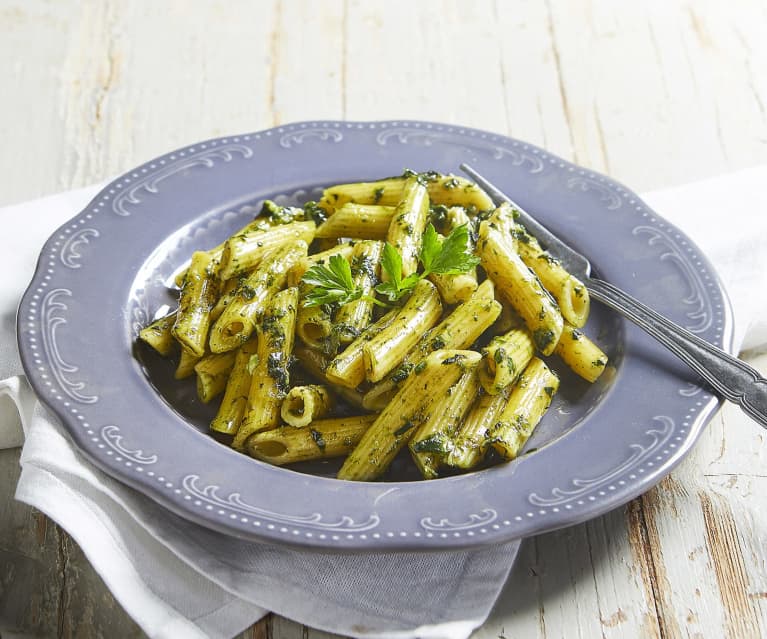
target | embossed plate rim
[{"x": 492, "y": 506}]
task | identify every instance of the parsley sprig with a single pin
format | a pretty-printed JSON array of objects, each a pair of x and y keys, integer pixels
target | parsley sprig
[
  {"x": 334, "y": 284},
  {"x": 450, "y": 256}
]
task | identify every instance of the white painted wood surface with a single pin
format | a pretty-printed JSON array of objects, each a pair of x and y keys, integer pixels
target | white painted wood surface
[{"x": 654, "y": 93}]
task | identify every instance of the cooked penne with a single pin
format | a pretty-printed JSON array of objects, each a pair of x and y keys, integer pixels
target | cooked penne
[
  {"x": 362, "y": 221},
  {"x": 458, "y": 287},
  {"x": 305, "y": 404},
  {"x": 314, "y": 325},
  {"x": 314, "y": 363},
  {"x": 459, "y": 330},
  {"x": 384, "y": 351},
  {"x": 433, "y": 438},
  {"x": 470, "y": 442},
  {"x": 348, "y": 367},
  {"x": 387, "y": 192},
  {"x": 450, "y": 190},
  {"x": 571, "y": 294},
  {"x": 259, "y": 303},
  {"x": 198, "y": 296},
  {"x": 411, "y": 406},
  {"x": 353, "y": 317},
  {"x": 582, "y": 355},
  {"x": 527, "y": 403},
  {"x": 520, "y": 287},
  {"x": 408, "y": 224},
  {"x": 454, "y": 190},
  {"x": 454, "y": 288},
  {"x": 503, "y": 220},
  {"x": 305, "y": 263},
  {"x": 245, "y": 251},
  {"x": 323, "y": 439},
  {"x": 227, "y": 294},
  {"x": 504, "y": 359},
  {"x": 216, "y": 252},
  {"x": 186, "y": 362},
  {"x": 213, "y": 373},
  {"x": 506, "y": 320},
  {"x": 270, "y": 382},
  {"x": 239, "y": 319},
  {"x": 233, "y": 405},
  {"x": 159, "y": 334}
]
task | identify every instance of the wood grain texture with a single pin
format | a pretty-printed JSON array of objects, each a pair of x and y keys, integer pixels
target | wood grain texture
[{"x": 654, "y": 93}]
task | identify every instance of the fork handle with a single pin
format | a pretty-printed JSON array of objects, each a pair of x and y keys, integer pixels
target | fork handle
[{"x": 730, "y": 377}]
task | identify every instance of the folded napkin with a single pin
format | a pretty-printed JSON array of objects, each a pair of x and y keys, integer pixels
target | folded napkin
[{"x": 178, "y": 579}]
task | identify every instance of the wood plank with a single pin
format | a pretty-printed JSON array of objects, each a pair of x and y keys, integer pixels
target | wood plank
[
  {"x": 307, "y": 70},
  {"x": 30, "y": 95},
  {"x": 656, "y": 80},
  {"x": 133, "y": 85},
  {"x": 424, "y": 60}
]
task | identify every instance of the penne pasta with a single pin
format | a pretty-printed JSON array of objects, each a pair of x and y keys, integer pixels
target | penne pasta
[
  {"x": 216, "y": 252},
  {"x": 582, "y": 355},
  {"x": 323, "y": 439},
  {"x": 449, "y": 190},
  {"x": 245, "y": 251},
  {"x": 412, "y": 405},
  {"x": 348, "y": 368},
  {"x": 186, "y": 362},
  {"x": 503, "y": 220},
  {"x": 239, "y": 319},
  {"x": 384, "y": 351},
  {"x": 212, "y": 374},
  {"x": 458, "y": 287},
  {"x": 454, "y": 190},
  {"x": 471, "y": 440},
  {"x": 569, "y": 292},
  {"x": 408, "y": 224},
  {"x": 353, "y": 317},
  {"x": 232, "y": 408},
  {"x": 314, "y": 325},
  {"x": 314, "y": 363},
  {"x": 305, "y": 404},
  {"x": 198, "y": 296},
  {"x": 361, "y": 221},
  {"x": 459, "y": 330},
  {"x": 527, "y": 403},
  {"x": 504, "y": 359},
  {"x": 521, "y": 288},
  {"x": 270, "y": 381},
  {"x": 433, "y": 438},
  {"x": 159, "y": 334}
]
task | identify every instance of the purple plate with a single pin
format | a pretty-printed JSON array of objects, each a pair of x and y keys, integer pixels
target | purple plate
[{"x": 102, "y": 276}]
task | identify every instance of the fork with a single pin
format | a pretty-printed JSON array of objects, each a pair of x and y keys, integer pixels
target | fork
[{"x": 730, "y": 377}]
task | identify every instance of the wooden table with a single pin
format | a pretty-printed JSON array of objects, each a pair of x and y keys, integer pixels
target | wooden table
[{"x": 653, "y": 93}]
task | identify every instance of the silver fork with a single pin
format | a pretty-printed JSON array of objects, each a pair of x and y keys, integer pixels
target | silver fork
[{"x": 730, "y": 377}]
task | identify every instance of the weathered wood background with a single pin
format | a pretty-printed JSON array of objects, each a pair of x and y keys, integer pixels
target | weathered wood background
[{"x": 654, "y": 93}]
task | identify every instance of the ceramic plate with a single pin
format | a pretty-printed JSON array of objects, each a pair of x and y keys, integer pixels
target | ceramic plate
[{"x": 102, "y": 276}]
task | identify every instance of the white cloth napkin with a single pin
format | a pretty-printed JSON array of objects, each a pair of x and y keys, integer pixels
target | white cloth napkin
[{"x": 177, "y": 579}]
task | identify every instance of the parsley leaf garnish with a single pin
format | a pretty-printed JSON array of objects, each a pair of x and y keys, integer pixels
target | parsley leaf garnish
[
  {"x": 454, "y": 255},
  {"x": 450, "y": 256},
  {"x": 333, "y": 284},
  {"x": 396, "y": 287}
]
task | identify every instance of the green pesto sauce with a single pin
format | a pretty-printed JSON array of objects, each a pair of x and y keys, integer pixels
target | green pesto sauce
[
  {"x": 318, "y": 439},
  {"x": 542, "y": 338}
]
